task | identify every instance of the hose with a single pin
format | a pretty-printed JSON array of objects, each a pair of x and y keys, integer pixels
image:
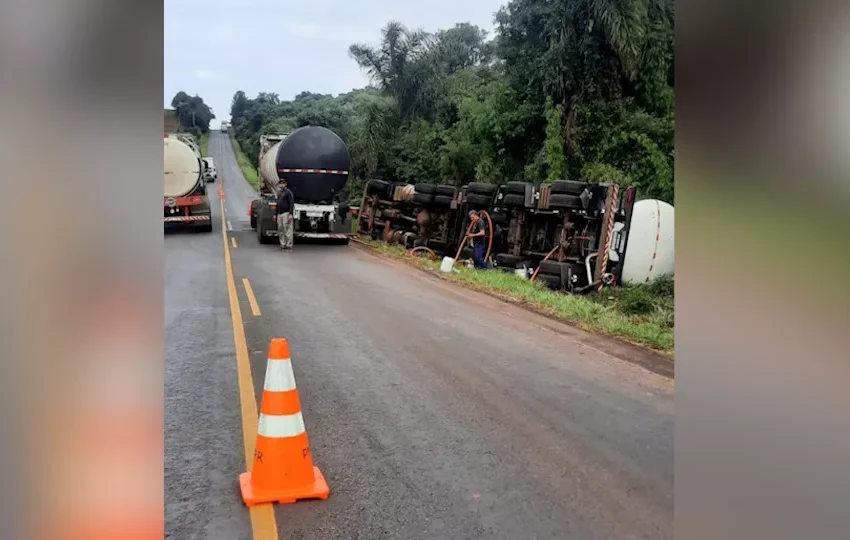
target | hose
[
  {"x": 554, "y": 249},
  {"x": 490, "y": 229},
  {"x": 463, "y": 242},
  {"x": 423, "y": 248}
]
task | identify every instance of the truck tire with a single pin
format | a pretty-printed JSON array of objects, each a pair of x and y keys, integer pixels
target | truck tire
[
  {"x": 512, "y": 199},
  {"x": 559, "y": 200},
  {"x": 377, "y": 187},
  {"x": 482, "y": 188},
  {"x": 261, "y": 237},
  {"x": 447, "y": 191},
  {"x": 442, "y": 200},
  {"x": 425, "y": 188},
  {"x": 423, "y": 198},
  {"x": 499, "y": 219},
  {"x": 205, "y": 228},
  {"x": 253, "y": 222},
  {"x": 506, "y": 260},
  {"x": 420, "y": 242},
  {"x": 567, "y": 187},
  {"x": 517, "y": 187},
  {"x": 477, "y": 199},
  {"x": 553, "y": 268}
]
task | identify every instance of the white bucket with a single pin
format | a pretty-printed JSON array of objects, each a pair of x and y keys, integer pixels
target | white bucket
[
  {"x": 521, "y": 272},
  {"x": 447, "y": 265}
]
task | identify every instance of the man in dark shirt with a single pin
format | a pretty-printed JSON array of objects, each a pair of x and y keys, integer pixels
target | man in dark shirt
[
  {"x": 478, "y": 234},
  {"x": 285, "y": 205}
]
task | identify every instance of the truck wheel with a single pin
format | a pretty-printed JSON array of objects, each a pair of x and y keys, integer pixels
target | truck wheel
[
  {"x": 423, "y": 198},
  {"x": 506, "y": 260},
  {"x": 425, "y": 188},
  {"x": 552, "y": 267},
  {"x": 377, "y": 187},
  {"x": 253, "y": 222},
  {"x": 442, "y": 200},
  {"x": 557, "y": 200},
  {"x": 513, "y": 199},
  {"x": 205, "y": 228},
  {"x": 567, "y": 187},
  {"x": 476, "y": 199},
  {"x": 261, "y": 236},
  {"x": 481, "y": 188},
  {"x": 445, "y": 190},
  {"x": 517, "y": 187}
]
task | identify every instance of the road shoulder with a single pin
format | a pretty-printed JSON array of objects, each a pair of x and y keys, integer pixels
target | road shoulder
[{"x": 612, "y": 346}]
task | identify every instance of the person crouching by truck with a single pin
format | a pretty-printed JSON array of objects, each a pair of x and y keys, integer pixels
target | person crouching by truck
[
  {"x": 285, "y": 205},
  {"x": 478, "y": 235}
]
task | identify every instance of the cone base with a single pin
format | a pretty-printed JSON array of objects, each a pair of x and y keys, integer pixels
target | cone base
[{"x": 251, "y": 496}]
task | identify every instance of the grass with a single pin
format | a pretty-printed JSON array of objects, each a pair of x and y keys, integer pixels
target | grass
[
  {"x": 248, "y": 170},
  {"x": 205, "y": 139},
  {"x": 639, "y": 314}
]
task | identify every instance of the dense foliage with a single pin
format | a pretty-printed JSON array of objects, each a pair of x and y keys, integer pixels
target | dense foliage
[
  {"x": 566, "y": 89},
  {"x": 193, "y": 114}
]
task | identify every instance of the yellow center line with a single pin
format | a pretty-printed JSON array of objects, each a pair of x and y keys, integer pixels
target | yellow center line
[
  {"x": 263, "y": 523},
  {"x": 255, "y": 309},
  {"x": 233, "y": 241}
]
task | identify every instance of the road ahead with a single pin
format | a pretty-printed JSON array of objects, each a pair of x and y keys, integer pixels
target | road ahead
[{"x": 432, "y": 411}]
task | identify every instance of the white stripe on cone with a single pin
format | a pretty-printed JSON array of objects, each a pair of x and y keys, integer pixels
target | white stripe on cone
[
  {"x": 279, "y": 376},
  {"x": 282, "y": 425}
]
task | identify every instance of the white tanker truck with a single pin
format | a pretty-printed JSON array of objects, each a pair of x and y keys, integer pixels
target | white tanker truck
[
  {"x": 185, "y": 198},
  {"x": 315, "y": 163}
]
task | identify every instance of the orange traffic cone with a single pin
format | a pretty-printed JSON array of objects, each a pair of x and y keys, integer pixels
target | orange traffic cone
[{"x": 283, "y": 468}]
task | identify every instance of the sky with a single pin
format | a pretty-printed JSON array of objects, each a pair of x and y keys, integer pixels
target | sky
[{"x": 215, "y": 47}]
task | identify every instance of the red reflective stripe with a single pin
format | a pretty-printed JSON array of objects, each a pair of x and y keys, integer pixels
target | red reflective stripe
[{"x": 313, "y": 171}]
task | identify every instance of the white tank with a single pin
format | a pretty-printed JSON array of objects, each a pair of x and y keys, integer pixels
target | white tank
[
  {"x": 649, "y": 252},
  {"x": 182, "y": 168},
  {"x": 268, "y": 165}
]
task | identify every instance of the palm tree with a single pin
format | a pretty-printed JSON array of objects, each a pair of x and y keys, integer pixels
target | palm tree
[{"x": 400, "y": 65}]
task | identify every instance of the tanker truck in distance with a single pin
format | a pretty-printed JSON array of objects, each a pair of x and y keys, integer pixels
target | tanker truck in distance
[
  {"x": 185, "y": 200},
  {"x": 315, "y": 163}
]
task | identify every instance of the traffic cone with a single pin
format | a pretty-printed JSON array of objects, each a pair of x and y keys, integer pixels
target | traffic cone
[{"x": 283, "y": 468}]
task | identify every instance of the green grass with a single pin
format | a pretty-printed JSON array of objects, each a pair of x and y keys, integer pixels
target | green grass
[
  {"x": 640, "y": 314},
  {"x": 248, "y": 170},
  {"x": 205, "y": 139}
]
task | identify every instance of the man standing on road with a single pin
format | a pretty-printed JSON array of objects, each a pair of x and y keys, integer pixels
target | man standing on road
[
  {"x": 285, "y": 205},
  {"x": 478, "y": 235}
]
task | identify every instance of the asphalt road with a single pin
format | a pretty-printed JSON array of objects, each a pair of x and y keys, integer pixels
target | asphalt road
[{"x": 432, "y": 411}]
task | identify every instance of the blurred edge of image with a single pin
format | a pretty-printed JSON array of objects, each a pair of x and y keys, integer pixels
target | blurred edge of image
[
  {"x": 81, "y": 91},
  {"x": 762, "y": 167}
]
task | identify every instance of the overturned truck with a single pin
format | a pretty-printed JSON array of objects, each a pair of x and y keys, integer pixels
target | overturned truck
[
  {"x": 315, "y": 162},
  {"x": 573, "y": 235}
]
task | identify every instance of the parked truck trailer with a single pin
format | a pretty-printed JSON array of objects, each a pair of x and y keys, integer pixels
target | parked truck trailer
[
  {"x": 185, "y": 198},
  {"x": 315, "y": 162}
]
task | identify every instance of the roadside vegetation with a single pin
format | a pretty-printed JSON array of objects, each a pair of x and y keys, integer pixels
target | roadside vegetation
[
  {"x": 639, "y": 314},
  {"x": 248, "y": 170},
  {"x": 205, "y": 139},
  {"x": 564, "y": 89}
]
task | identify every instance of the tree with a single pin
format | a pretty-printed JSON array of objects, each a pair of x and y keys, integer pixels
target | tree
[
  {"x": 192, "y": 113},
  {"x": 578, "y": 89},
  {"x": 401, "y": 66}
]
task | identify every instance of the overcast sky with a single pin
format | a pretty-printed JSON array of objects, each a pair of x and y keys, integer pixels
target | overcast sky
[{"x": 215, "y": 47}]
